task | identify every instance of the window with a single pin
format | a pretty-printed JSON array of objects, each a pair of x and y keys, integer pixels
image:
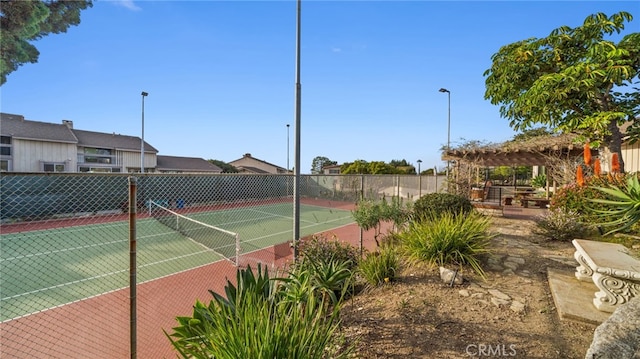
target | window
[
  {"x": 86, "y": 169},
  {"x": 96, "y": 155},
  {"x": 53, "y": 167},
  {"x": 4, "y": 165},
  {"x": 5, "y": 146}
]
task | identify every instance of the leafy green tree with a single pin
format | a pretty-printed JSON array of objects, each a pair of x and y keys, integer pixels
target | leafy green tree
[
  {"x": 403, "y": 167},
  {"x": 532, "y": 133},
  {"x": 573, "y": 80},
  {"x": 320, "y": 162},
  {"x": 356, "y": 167},
  {"x": 364, "y": 167},
  {"x": 25, "y": 21},
  {"x": 226, "y": 168}
]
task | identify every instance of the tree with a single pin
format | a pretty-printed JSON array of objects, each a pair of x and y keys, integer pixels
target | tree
[
  {"x": 320, "y": 162},
  {"x": 364, "y": 167},
  {"x": 25, "y": 21},
  {"x": 572, "y": 80},
  {"x": 226, "y": 168},
  {"x": 532, "y": 133},
  {"x": 357, "y": 167}
]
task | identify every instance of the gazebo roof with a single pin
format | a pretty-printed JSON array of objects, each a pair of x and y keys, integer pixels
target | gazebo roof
[{"x": 531, "y": 152}]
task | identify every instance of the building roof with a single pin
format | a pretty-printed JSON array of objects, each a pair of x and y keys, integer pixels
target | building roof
[
  {"x": 252, "y": 170},
  {"x": 248, "y": 155},
  {"x": 106, "y": 140},
  {"x": 17, "y": 127},
  {"x": 190, "y": 164}
]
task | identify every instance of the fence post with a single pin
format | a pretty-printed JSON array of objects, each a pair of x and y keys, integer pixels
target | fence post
[
  {"x": 362, "y": 199},
  {"x": 133, "y": 204}
]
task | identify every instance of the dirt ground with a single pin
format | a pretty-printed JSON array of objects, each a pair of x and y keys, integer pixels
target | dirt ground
[{"x": 419, "y": 316}]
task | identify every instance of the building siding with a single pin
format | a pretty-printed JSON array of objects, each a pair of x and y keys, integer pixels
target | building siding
[
  {"x": 28, "y": 156},
  {"x": 631, "y": 157}
]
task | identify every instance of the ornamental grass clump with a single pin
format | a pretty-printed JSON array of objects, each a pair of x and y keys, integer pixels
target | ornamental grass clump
[
  {"x": 448, "y": 239},
  {"x": 380, "y": 267}
]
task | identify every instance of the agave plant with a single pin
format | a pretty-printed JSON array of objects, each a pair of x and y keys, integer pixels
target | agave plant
[{"x": 623, "y": 203}]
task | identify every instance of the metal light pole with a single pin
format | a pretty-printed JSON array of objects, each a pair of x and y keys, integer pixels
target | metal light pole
[
  {"x": 144, "y": 94},
  {"x": 297, "y": 109},
  {"x": 448, "y": 126},
  {"x": 287, "y": 147},
  {"x": 419, "y": 180}
]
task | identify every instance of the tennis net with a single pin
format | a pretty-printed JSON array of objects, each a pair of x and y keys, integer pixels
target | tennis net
[{"x": 221, "y": 241}]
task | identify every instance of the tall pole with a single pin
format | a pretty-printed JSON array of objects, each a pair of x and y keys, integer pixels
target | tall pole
[
  {"x": 144, "y": 94},
  {"x": 419, "y": 180},
  {"x": 296, "y": 179},
  {"x": 287, "y": 147},
  {"x": 448, "y": 127}
]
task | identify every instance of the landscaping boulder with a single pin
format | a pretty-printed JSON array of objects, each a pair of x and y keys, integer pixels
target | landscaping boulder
[
  {"x": 618, "y": 337},
  {"x": 450, "y": 276}
]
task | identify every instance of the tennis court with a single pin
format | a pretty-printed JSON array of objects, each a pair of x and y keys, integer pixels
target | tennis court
[{"x": 48, "y": 268}]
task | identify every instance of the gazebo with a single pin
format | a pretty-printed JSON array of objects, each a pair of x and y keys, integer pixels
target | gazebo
[{"x": 535, "y": 151}]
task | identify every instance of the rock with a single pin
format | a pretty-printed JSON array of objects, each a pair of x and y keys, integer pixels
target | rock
[
  {"x": 498, "y": 294},
  {"x": 507, "y": 272},
  {"x": 518, "y": 260},
  {"x": 447, "y": 275},
  {"x": 463, "y": 292},
  {"x": 477, "y": 295},
  {"x": 618, "y": 337},
  {"x": 499, "y": 302},
  {"x": 511, "y": 265},
  {"x": 517, "y": 306}
]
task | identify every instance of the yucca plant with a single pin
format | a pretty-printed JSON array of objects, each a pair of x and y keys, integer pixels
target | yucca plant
[
  {"x": 380, "y": 267},
  {"x": 448, "y": 239},
  {"x": 623, "y": 205}
]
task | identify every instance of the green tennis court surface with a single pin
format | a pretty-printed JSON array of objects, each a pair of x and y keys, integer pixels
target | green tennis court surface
[{"x": 48, "y": 268}]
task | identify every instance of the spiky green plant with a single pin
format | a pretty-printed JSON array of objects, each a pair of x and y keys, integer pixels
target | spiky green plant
[
  {"x": 623, "y": 205},
  {"x": 448, "y": 239},
  {"x": 255, "y": 323}
]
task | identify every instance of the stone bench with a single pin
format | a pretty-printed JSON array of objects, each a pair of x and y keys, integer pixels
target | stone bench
[{"x": 611, "y": 268}]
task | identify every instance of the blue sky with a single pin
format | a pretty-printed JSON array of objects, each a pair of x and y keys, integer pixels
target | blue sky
[{"x": 221, "y": 74}]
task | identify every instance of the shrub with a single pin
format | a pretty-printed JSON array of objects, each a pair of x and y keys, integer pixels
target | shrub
[
  {"x": 579, "y": 199},
  {"x": 560, "y": 224},
  {"x": 437, "y": 204},
  {"x": 448, "y": 239},
  {"x": 539, "y": 181},
  {"x": 318, "y": 249},
  {"x": 380, "y": 267}
]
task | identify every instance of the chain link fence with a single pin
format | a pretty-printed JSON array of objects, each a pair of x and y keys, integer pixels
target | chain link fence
[{"x": 72, "y": 245}]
